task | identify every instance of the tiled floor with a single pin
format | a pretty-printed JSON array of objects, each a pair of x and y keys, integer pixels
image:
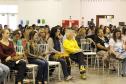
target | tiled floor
[{"x": 93, "y": 77}]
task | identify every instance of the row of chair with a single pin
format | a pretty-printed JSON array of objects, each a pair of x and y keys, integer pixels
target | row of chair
[
  {"x": 32, "y": 68},
  {"x": 89, "y": 50}
]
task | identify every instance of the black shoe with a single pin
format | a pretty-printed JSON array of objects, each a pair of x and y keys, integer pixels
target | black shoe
[
  {"x": 123, "y": 75},
  {"x": 2, "y": 83},
  {"x": 113, "y": 70}
]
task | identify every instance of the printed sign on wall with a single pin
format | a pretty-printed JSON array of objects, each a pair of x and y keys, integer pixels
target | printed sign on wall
[{"x": 69, "y": 23}]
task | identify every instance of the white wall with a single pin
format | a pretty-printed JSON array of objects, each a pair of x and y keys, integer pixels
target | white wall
[
  {"x": 91, "y": 9},
  {"x": 56, "y": 10},
  {"x": 49, "y": 10}
]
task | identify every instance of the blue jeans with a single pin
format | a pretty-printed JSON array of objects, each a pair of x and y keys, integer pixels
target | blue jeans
[
  {"x": 123, "y": 71},
  {"x": 4, "y": 71},
  {"x": 42, "y": 74},
  {"x": 124, "y": 63},
  {"x": 65, "y": 66}
]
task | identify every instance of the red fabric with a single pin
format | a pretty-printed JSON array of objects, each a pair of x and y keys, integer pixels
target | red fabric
[
  {"x": 68, "y": 23},
  {"x": 6, "y": 51},
  {"x": 75, "y": 22},
  {"x": 65, "y": 23}
]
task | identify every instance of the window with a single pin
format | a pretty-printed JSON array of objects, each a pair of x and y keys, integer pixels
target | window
[
  {"x": 3, "y": 19},
  {"x": 12, "y": 21},
  {"x": 8, "y": 15}
]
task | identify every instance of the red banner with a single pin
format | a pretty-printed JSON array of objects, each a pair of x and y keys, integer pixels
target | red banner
[
  {"x": 65, "y": 23},
  {"x": 75, "y": 22},
  {"x": 68, "y": 23}
]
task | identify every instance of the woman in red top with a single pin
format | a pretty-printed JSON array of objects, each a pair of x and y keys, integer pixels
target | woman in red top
[{"x": 8, "y": 56}]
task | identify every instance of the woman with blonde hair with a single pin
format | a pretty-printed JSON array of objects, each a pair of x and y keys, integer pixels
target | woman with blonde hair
[
  {"x": 71, "y": 47},
  {"x": 10, "y": 58}
]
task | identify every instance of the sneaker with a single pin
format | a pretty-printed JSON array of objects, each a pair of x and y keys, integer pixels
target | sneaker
[
  {"x": 40, "y": 83},
  {"x": 82, "y": 69},
  {"x": 45, "y": 82},
  {"x": 68, "y": 78},
  {"x": 120, "y": 57},
  {"x": 83, "y": 76}
]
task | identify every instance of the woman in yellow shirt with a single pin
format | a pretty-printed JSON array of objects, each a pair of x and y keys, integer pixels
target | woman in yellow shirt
[{"x": 71, "y": 47}]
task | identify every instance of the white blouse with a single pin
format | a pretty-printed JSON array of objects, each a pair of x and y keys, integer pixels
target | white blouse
[{"x": 116, "y": 45}]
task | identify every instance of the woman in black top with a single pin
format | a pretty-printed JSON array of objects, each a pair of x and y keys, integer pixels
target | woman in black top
[{"x": 102, "y": 44}]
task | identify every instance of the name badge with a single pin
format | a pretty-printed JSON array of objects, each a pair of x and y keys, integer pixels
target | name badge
[{"x": 106, "y": 45}]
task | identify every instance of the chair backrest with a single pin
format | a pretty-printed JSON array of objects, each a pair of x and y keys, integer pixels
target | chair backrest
[
  {"x": 88, "y": 45},
  {"x": 43, "y": 48},
  {"x": 19, "y": 49}
]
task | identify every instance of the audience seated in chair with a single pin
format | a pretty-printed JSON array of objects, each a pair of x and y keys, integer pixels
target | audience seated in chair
[
  {"x": 71, "y": 47},
  {"x": 18, "y": 39},
  {"x": 107, "y": 32},
  {"x": 10, "y": 58},
  {"x": 102, "y": 44},
  {"x": 4, "y": 71},
  {"x": 55, "y": 47},
  {"x": 81, "y": 34},
  {"x": 35, "y": 58},
  {"x": 118, "y": 48}
]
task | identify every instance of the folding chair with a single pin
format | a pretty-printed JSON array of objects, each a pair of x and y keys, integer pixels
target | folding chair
[
  {"x": 89, "y": 49},
  {"x": 31, "y": 67},
  {"x": 43, "y": 48}
]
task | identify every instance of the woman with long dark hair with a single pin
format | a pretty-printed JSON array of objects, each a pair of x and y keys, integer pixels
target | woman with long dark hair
[
  {"x": 107, "y": 32},
  {"x": 33, "y": 58},
  {"x": 55, "y": 46},
  {"x": 118, "y": 48}
]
